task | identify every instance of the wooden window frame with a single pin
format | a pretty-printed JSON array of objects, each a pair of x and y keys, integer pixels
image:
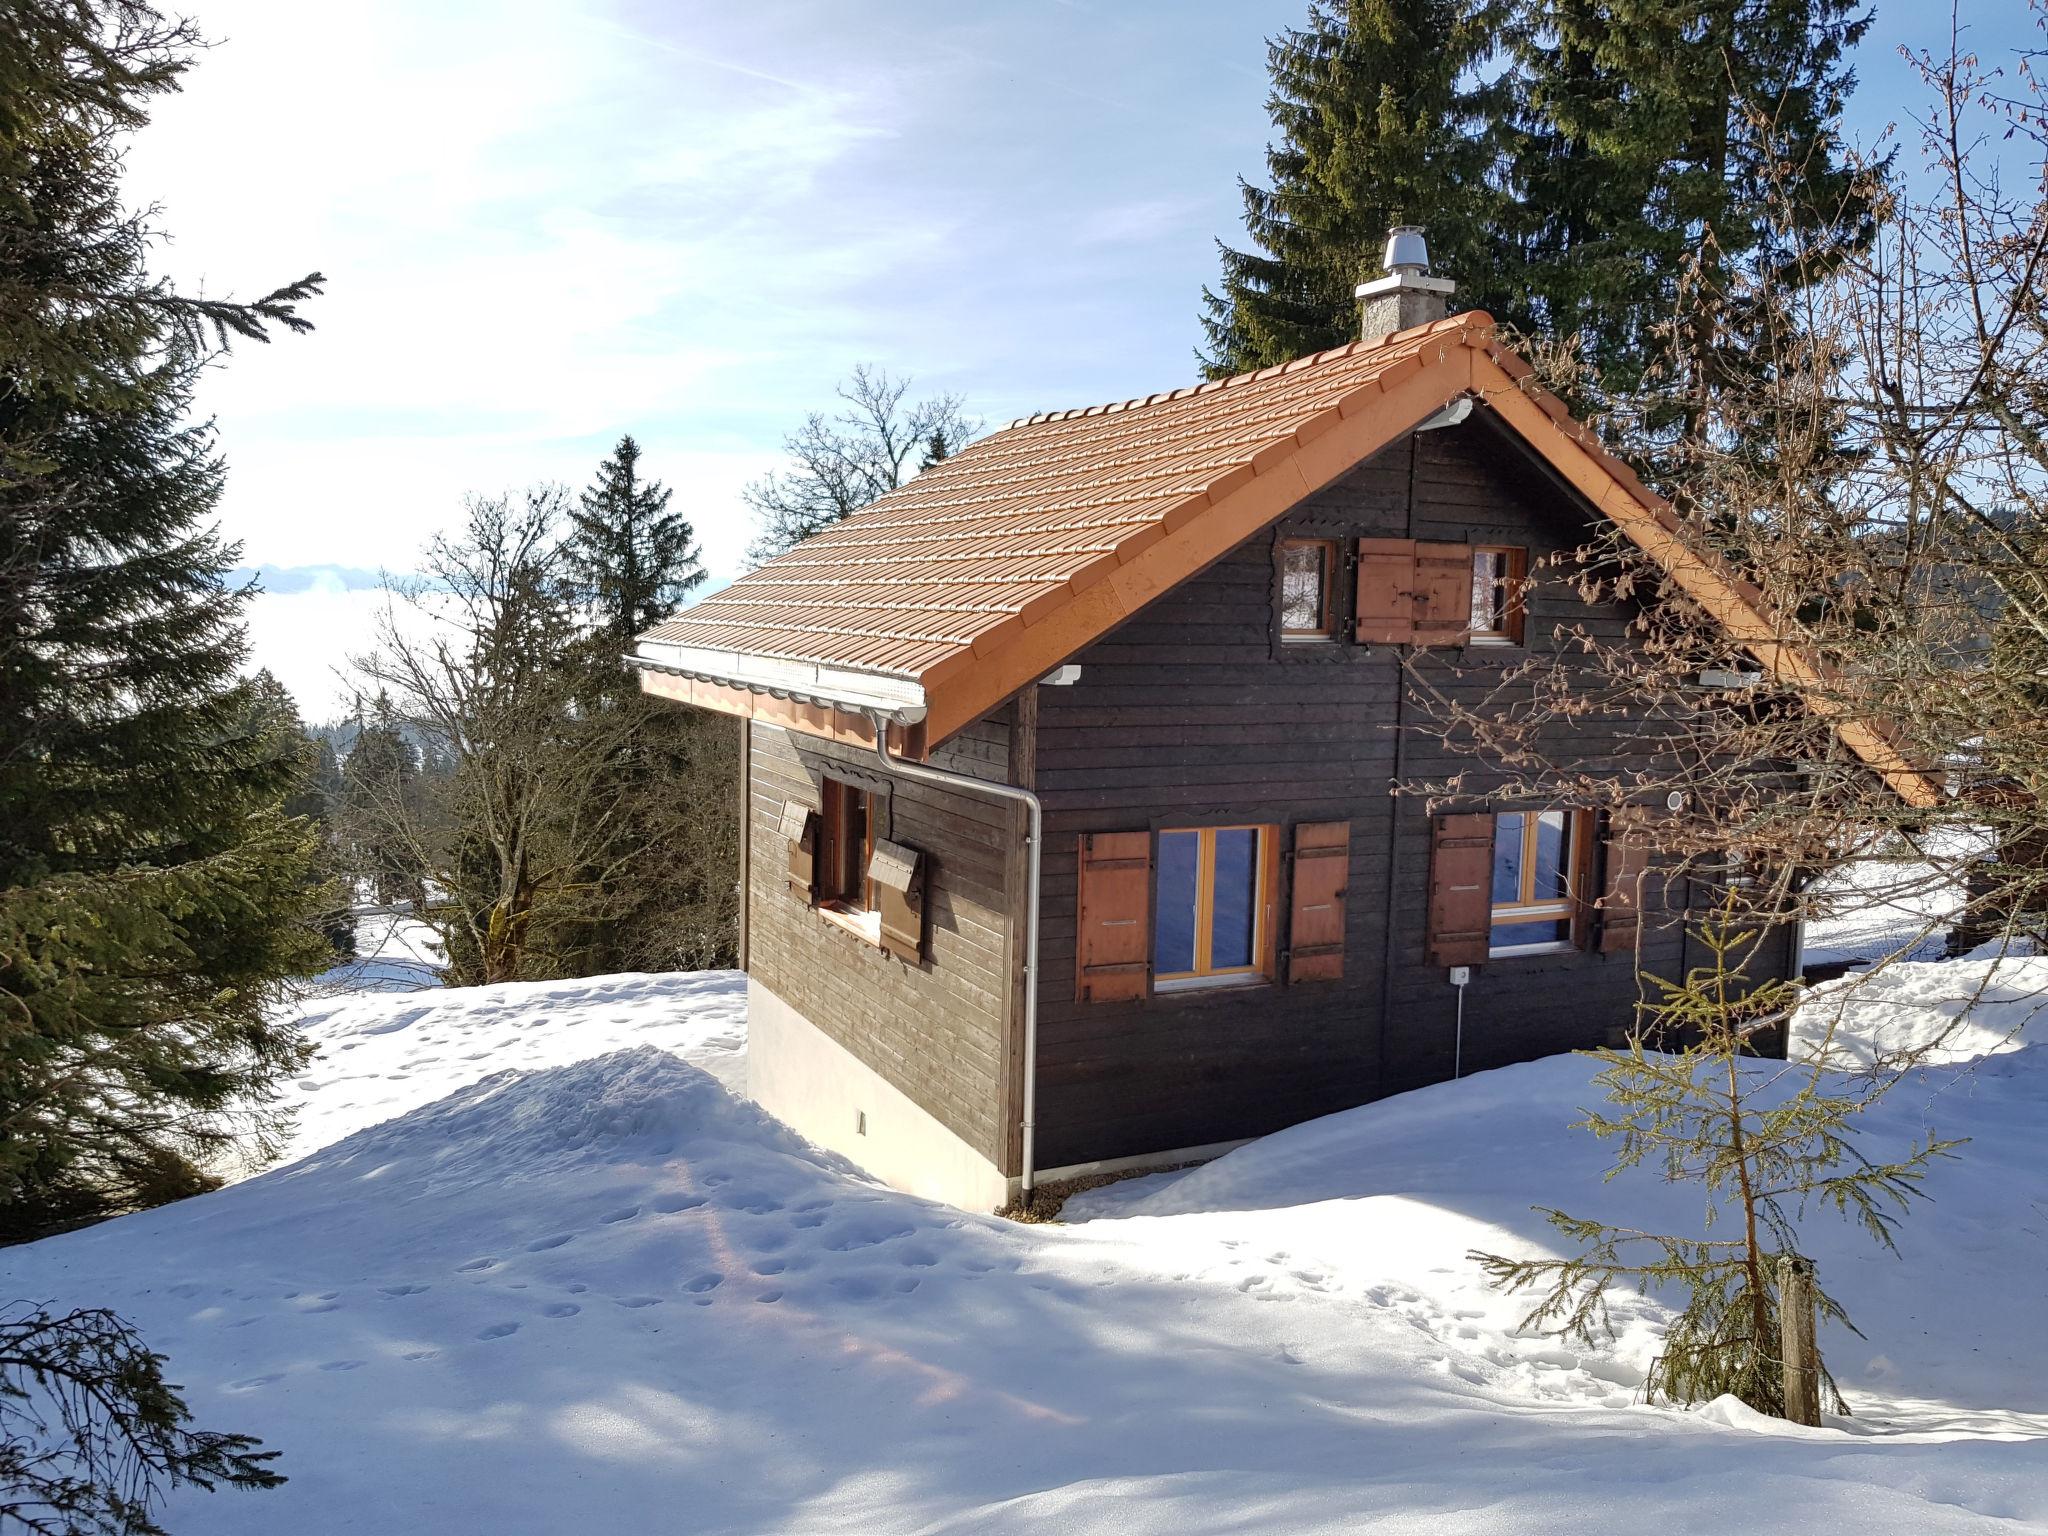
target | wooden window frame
[
  {"x": 1327, "y": 631},
  {"x": 1568, "y": 908},
  {"x": 836, "y": 876},
  {"x": 1266, "y": 865},
  {"x": 1514, "y": 580}
]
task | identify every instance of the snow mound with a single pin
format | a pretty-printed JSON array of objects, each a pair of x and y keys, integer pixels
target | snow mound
[
  {"x": 633, "y": 1104},
  {"x": 1938, "y": 1013},
  {"x": 384, "y": 1053}
]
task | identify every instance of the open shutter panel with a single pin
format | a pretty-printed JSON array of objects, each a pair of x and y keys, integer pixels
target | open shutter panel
[
  {"x": 1443, "y": 593},
  {"x": 1627, "y": 862},
  {"x": 898, "y": 875},
  {"x": 800, "y": 827},
  {"x": 1385, "y": 613},
  {"x": 1322, "y": 866},
  {"x": 1460, "y": 889},
  {"x": 1113, "y": 944}
]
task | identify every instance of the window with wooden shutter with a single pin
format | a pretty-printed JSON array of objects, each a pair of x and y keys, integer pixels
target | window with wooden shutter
[
  {"x": 1322, "y": 868},
  {"x": 1460, "y": 888},
  {"x": 1627, "y": 863},
  {"x": 1113, "y": 916},
  {"x": 1499, "y": 579},
  {"x": 1307, "y": 589},
  {"x": 1384, "y": 613},
  {"x": 800, "y": 828},
  {"x": 1413, "y": 592},
  {"x": 1537, "y": 886},
  {"x": 1443, "y": 593},
  {"x": 896, "y": 875}
]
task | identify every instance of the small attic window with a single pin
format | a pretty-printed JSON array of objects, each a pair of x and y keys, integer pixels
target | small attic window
[
  {"x": 1498, "y": 575},
  {"x": 1305, "y": 588}
]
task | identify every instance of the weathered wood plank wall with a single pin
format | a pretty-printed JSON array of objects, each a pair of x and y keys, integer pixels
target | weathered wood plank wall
[{"x": 1191, "y": 713}]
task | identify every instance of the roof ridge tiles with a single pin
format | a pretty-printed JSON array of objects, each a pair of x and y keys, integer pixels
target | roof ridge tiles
[{"x": 1471, "y": 320}]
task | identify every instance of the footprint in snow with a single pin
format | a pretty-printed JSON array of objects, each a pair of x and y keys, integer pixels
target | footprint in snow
[
  {"x": 561, "y": 1309},
  {"x": 624, "y": 1213},
  {"x": 341, "y": 1365},
  {"x": 668, "y": 1205},
  {"x": 476, "y": 1264},
  {"x": 638, "y": 1301},
  {"x": 543, "y": 1244},
  {"x": 402, "y": 1290},
  {"x": 498, "y": 1331},
  {"x": 704, "y": 1282},
  {"x": 253, "y": 1383}
]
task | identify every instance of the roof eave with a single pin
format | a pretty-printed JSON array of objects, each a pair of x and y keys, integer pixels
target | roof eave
[{"x": 899, "y": 700}]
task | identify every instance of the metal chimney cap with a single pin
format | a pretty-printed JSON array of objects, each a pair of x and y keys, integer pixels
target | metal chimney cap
[{"x": 1406, "y": 250}]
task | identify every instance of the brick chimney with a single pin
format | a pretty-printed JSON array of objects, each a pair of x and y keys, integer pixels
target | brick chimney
[{"x": 1407, "y": 296}]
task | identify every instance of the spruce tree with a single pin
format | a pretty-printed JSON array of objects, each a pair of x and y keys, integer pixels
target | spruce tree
[
  {"x": 1383, "y": 116},
  {"x": 634, "y": 560},
  {"x": 1660, "y": 145},
  {"x": 152, "y": 892},
  {"x": 1764, "y": 1142},
  {"x": 658, "y": 887}
]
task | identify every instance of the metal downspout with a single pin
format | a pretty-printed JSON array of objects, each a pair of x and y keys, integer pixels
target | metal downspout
[{"x": 1034, "y": 842}]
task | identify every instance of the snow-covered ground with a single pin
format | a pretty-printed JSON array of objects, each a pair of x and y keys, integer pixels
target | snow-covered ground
[
  {"x": 537, "y": 1270},
  {"x": 1873, "y": 909},
  {"x": 393, "y": 954}
]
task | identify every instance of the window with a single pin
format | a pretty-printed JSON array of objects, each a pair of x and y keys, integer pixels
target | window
[
  {"x": 1535, "y": 874},
  {"x": 1305, "y": 588},
  {"x": 1497, "y": 576},
  {"x": 845, "y": 844},
  {"x": 1210, "y": 922}
]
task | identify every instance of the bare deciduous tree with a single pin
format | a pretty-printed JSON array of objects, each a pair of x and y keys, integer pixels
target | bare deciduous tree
[
  {"x": 511, "y": 840},
  {"x": 840, "y": 463}
]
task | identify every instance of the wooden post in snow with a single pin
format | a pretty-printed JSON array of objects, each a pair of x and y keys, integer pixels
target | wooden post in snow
[{"x": 1796, "y": 1342}]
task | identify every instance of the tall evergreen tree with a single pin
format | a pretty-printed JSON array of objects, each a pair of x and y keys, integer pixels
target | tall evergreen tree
[
  {"x": 380, "y": 798},
  {"x": 1383, "y": 116},
  {"x": 152, "y": 893},
  {"x": 1653, "y": 141},
  {"x": 661, "y": 884},
  {"x": 634, "y": 560}
]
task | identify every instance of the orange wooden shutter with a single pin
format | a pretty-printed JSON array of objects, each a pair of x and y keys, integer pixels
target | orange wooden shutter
[
  {"x": 1113, "y": 939},
  {"x": 800, "y": 826},
  {"x": 1315, "y": 934},
  {"x": 1460, "y": 889},
  {"x": 1443, "y": 593},
  {"x": 1385, "y": 611},
  {"x": 1628, "y": 861},
  {"x": 897, "y": 874}
]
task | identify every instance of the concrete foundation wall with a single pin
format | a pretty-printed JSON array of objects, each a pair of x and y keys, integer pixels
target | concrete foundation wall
[{"x": 829, "y": 1096}]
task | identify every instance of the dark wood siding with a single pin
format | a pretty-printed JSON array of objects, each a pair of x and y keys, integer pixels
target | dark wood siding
[
  {"x": 939, "y": 1029},
  {"x": 1193, "y": 712}
]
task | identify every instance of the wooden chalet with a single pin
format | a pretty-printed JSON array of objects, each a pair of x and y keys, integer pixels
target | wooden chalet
[{"x": 1070, "y": 840}]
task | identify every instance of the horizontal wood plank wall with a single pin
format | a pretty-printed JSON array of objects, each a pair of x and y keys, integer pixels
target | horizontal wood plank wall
[
  {"x": 1192, "y": 710},
  {"x": 936, "y": 1030}
]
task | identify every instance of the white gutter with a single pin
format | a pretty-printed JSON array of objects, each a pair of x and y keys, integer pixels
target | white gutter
[
  {"x": 900, "y": 699},
  {"x": 1034, "y": 842}
]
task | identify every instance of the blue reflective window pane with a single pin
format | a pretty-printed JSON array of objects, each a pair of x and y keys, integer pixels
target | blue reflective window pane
[
  {"x": 1542, "y": 930},
  {"x": 1237, "y": 894},
  {"x": 1553, "y": 858},
  {"x": 1173, "y": 923},
  {"x": 1507, "y": 857}
]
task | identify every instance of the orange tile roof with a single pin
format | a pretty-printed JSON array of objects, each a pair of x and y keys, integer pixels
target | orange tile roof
[
  {"x": 970, "y": 548},
  {"x": 991, "y": 568}
]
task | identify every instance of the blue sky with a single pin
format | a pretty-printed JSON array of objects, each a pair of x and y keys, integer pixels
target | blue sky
[{"x": 544, "y": 224}]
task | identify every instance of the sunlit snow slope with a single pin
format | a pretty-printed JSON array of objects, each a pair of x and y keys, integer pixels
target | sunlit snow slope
[{"x": 537, "y": 1270}]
